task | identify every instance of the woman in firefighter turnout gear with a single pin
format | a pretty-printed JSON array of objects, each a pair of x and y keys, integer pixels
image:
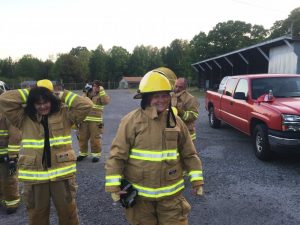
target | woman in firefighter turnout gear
[
  {"x": 10, "y": 138},
  {"x": 92, "y": 126},
  {"x": 47, "y": 162},
  {"x": 150, "y": 150}
]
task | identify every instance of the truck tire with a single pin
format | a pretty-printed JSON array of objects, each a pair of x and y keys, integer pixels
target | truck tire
[
  {"x": 260, "y": 142},
  {"x": 212, "y": 119}
]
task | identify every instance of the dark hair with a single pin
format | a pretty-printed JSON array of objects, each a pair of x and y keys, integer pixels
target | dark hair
[
  {"x": 40, "y": 93},
  {"x": 145, "y": 100},
  {"x": 97, "y": 83}
]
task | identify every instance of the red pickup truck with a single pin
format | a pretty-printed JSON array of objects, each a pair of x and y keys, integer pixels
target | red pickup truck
[{"x": 264, "y": 106}]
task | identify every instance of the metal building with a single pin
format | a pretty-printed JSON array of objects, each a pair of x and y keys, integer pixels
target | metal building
[{"x": 279, "y": 55}]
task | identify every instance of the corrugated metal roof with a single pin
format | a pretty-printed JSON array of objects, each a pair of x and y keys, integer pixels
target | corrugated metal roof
[{"x": 266, "y": 45}]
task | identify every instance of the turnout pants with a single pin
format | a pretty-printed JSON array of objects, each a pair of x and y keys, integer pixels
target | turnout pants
[
  {"x": 171, "y": 211},
  {"x": 37, "y": 200},
  {"x": 9, "y": 188},
  {"x": 92, "y": 131}
]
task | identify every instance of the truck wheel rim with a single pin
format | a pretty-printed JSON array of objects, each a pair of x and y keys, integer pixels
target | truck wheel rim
[
  {"x": 259, "y": 143},
  {"x": 211, "y": 117}
]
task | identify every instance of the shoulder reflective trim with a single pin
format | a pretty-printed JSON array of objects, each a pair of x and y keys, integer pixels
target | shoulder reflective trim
[
  {"x": 12, "y": 203},
  {"x": 196, "y": 175},
  {"x": 32, "y": 143},
  {"x": 159, "y": 192},
  {"x": 153, "y": 155},
  {"x": 113, "y": 180},
  {"x": 24, "y": 94},
  {"x": 102, "y": 93},
  {"x": 46, "y": 175},
  {"x": 94, "y": 119},
  {"x": 70, "y": 98},
  {"x": 63, "y": 140},
  {"x": 3, "y": 133}
]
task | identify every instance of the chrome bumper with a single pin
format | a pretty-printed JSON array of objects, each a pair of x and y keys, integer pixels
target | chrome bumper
[{"x": 280, "y": 141}]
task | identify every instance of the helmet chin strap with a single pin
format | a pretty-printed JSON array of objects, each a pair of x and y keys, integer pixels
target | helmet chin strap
[{"x": 170, "y": 116}]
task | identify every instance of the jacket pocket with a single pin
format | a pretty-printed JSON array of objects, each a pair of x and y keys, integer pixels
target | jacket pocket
[
  {"x": 133, "y": 173},
  {"x": 171, "y": 138},
  {"x": 174, "y": 172},
  {"x": 65, "y": 156},
  {"x": 27, "y": 162}
]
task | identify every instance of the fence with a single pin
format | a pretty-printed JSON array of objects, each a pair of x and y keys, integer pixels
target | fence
[{"x": 80, "y": 86}]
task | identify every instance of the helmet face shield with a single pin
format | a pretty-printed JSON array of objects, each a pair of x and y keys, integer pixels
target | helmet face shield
[{"x": 153, "y": 82}]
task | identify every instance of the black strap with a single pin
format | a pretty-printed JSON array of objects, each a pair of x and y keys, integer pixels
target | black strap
[{"x": 47, "y": 150}]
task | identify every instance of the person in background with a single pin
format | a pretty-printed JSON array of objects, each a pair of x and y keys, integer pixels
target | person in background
[
  {"x": 92, "y": 126},
  {"x": 149, "y": 151},
  {"x": 187, "y": 105},
  {"x": 47, "y": 162},
  {"x": 10, "y": 138}
]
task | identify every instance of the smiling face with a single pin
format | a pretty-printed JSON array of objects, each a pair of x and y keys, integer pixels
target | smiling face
[
  {"x": 160, "y": 100},
  {"x": 42, "y": 107}
]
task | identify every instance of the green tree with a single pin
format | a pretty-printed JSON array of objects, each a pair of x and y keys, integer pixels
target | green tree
[
  {"x": 143, "y": 59},
  {"x": 97, "y": 64},
  {"x": 68, "y": 68},
  {"x": 29, "y": 67},
  {"x": 7, "y": 68},
  {"x": 199, "y": 47},
  {"x": 84, "y": 55},
  {"x": 177, "y": 57},
  {"x": 232, "y": 35},
  {"x": 117, "y": 65},
  {"x": 289, "y": 26}
]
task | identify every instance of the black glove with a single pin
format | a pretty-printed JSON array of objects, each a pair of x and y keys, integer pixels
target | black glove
[{"x": 12, "y": 166}]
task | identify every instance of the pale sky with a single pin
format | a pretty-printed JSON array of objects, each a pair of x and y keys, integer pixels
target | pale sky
[{"x": 45, "y": 28}]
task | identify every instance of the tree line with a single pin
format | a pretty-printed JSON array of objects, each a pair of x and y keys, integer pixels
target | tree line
[{"x": 80, "y": 64}]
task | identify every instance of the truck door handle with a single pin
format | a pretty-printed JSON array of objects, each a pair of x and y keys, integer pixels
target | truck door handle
[{"x": 231, "y": 103}]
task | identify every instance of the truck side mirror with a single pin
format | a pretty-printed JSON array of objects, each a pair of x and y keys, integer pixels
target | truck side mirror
[{"x": 240, "y": 95}]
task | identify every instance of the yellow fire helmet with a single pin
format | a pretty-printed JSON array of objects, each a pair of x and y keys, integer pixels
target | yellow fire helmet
[
  {"x": 45, "y": 83},
  {"x": 153, "y": 81},
  {"x": 168, "y": 73}
]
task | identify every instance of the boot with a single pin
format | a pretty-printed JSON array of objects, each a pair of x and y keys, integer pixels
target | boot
[
  {"x": 11, "y": 210},
  {"x": 80, "y": 158},
  {"x": 95, "y": 159}
]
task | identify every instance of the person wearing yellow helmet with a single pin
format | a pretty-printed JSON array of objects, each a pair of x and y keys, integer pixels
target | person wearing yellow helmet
[
  {"x": 47, "y": 162},
  {"x": 148, "y": 154},
  {"x": 45, "y": 83}
]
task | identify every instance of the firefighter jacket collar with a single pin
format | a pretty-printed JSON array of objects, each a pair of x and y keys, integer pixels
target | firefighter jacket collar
[
  {"x": 180, "y": 93},
  {"x": 151, "y": 112}
]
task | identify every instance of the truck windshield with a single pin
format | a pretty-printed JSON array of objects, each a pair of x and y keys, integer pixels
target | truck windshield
[{"x": 282, "y": 87}]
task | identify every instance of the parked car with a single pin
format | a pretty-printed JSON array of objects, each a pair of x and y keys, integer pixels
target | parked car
[{"x": 264, "y": 106}]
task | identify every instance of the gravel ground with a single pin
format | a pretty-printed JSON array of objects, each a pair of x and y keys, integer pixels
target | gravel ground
[{"x": 239, "y": 188}]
